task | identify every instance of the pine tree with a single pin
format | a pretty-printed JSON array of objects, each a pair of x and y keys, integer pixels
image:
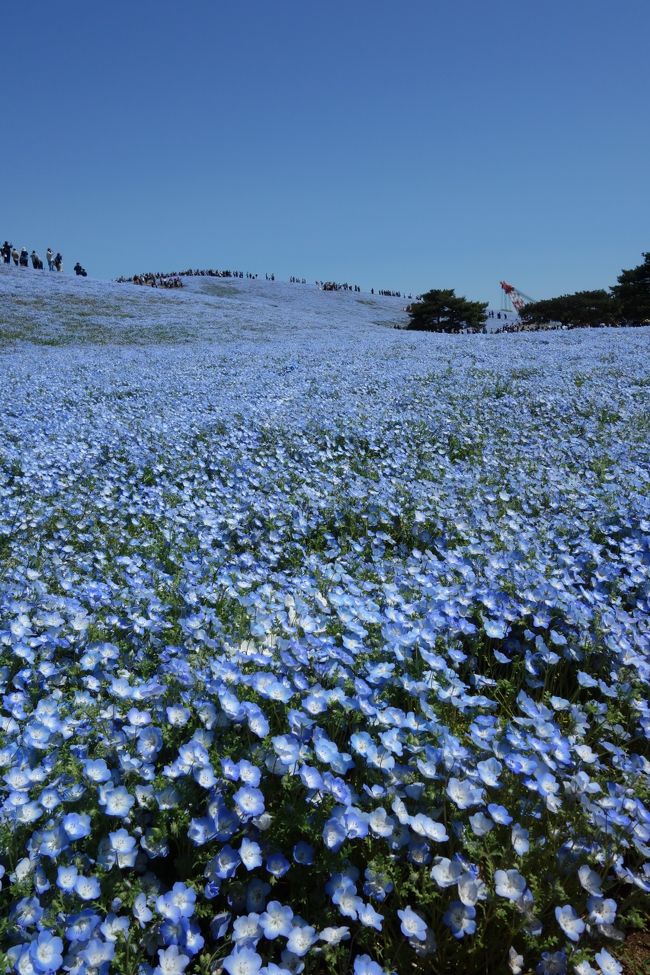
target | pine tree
[
  {"x": 633, "y": 292},
  {"x": 444, "y": 311}
]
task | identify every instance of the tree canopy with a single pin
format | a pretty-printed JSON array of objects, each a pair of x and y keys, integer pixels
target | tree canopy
[
  {"x": 626, "y": 302},
  {"x": 633, "y": 292},
  {"x": 581, "y": 309},
  {"x": 441, "y": 310}
]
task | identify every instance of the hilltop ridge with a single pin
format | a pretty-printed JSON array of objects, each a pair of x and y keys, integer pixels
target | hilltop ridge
[{"x": 61, "y": 309}]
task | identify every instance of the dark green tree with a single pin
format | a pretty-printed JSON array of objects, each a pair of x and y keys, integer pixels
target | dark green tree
[
  {"x": 444, "y": 311},
  {"x": 584, "y": 308},
  {"x": 633, "y": 292}
]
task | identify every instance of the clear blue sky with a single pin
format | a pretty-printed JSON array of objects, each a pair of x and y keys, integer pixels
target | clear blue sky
[{"x": 406, "y": 145}]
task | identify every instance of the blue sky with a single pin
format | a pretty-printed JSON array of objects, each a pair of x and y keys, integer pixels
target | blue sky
[{"x": 411, "y": 145}]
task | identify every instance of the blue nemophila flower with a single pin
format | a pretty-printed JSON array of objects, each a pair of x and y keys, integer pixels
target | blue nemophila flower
[
  {"x": 552, "y": 963},
  {"x": 249, "y": 801},
  {"x": 277, "y": 864},
  {"x": 345, "y": 897},
  {"x": 225, "y": 864},
  {"x": 334, "y": 936},
  {"x": 287, "y": 748},
  {"x": 118, "y": 802},
  {"x": 608, "y": 964},
  {"x": 412, "y": 925},
  {"x": 602, "y": 910},
  {"x": 520, "y": 841},
  {"x": 463, "y": 793},
  {"x": 250, "y": 854},
  {"x": 176, "y": 903},
  {"x": 570, "y": 922},
  {"x": 178, "y": 716},
  {"x": 76, "y": 825},
  {"x": 301, "y": 938},
  {"x": 499, "y": 814},
  {"x": 364, "y": 965},
  {"x": 311, "y": 777},
  {"x": 66, "y": 878},
  {"x": 515, "y": 961},
  {"x": 459, "y": 918},
  {"x": 114, "y": 927},
  {"x": 171, "y": 961},
  {"x": 481, "y": 824},
  {"x": 446, "y": 873},
  {"x": 27, "y": 912},
  {"x": 590, "y": 880},
  {"x": 510, "y": 884},
  {"x": 334, "y": 834},
  {"x": 87, "y": 888},
  {"x": 256, "y": 895},
  {"x": 369, "y": 917},
  {"x": 97, "y": 953},
  {"x": 124, "y": 846},
  {"x": 425, "y": 826},
  {"x": 489, "y": 771},
  {"x": 276, "y": 920},
  {"x": 247, "y": 930},
  {"x": 45, "y": 952},
  {"x": 303, "y": 853},
  {"x": 249, "y": 773},
  {"x": 471, "y": 888},
  {"x": 81, "y": 926},
  {"x": 141, "y": 911}
]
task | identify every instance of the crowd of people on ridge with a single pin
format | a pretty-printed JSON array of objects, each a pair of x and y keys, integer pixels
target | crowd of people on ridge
[
  {"x": 334, "y": 286},
  {"x": 170, "y": 279},
  {"x": 389, "y": 294},
  {"x": 22, "y": 257},
  {"x": 151, "y": 280}
]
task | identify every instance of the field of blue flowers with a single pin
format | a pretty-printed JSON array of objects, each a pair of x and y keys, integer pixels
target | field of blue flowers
[{"x": 322, "y": 649}]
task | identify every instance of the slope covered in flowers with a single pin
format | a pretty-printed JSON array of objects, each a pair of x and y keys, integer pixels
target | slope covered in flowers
[{"x": 323, "y": 646}]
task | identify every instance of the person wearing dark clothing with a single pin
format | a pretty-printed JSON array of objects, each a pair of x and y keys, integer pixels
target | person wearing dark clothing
[
  {"x": 58, "y": 262},
  {"x": 6, "y": 252},
  {"x": 36, "y": 261},
  {"x": 24, "y": 257},
  {"x": 79, "y": 270}
]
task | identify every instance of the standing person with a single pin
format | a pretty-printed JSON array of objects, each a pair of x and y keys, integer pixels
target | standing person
[
  {"x": 36, "y": 261},
  {"x": 49, "y": 254},
  {"x": 6, "y": 252},
  {"x": 24, "y": 257},
  {"x": 58, "y": 262},
  {"x": 15, "y": 256}
]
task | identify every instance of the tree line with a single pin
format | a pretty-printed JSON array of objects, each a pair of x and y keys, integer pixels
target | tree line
[{"x": 625, "y": 303}]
